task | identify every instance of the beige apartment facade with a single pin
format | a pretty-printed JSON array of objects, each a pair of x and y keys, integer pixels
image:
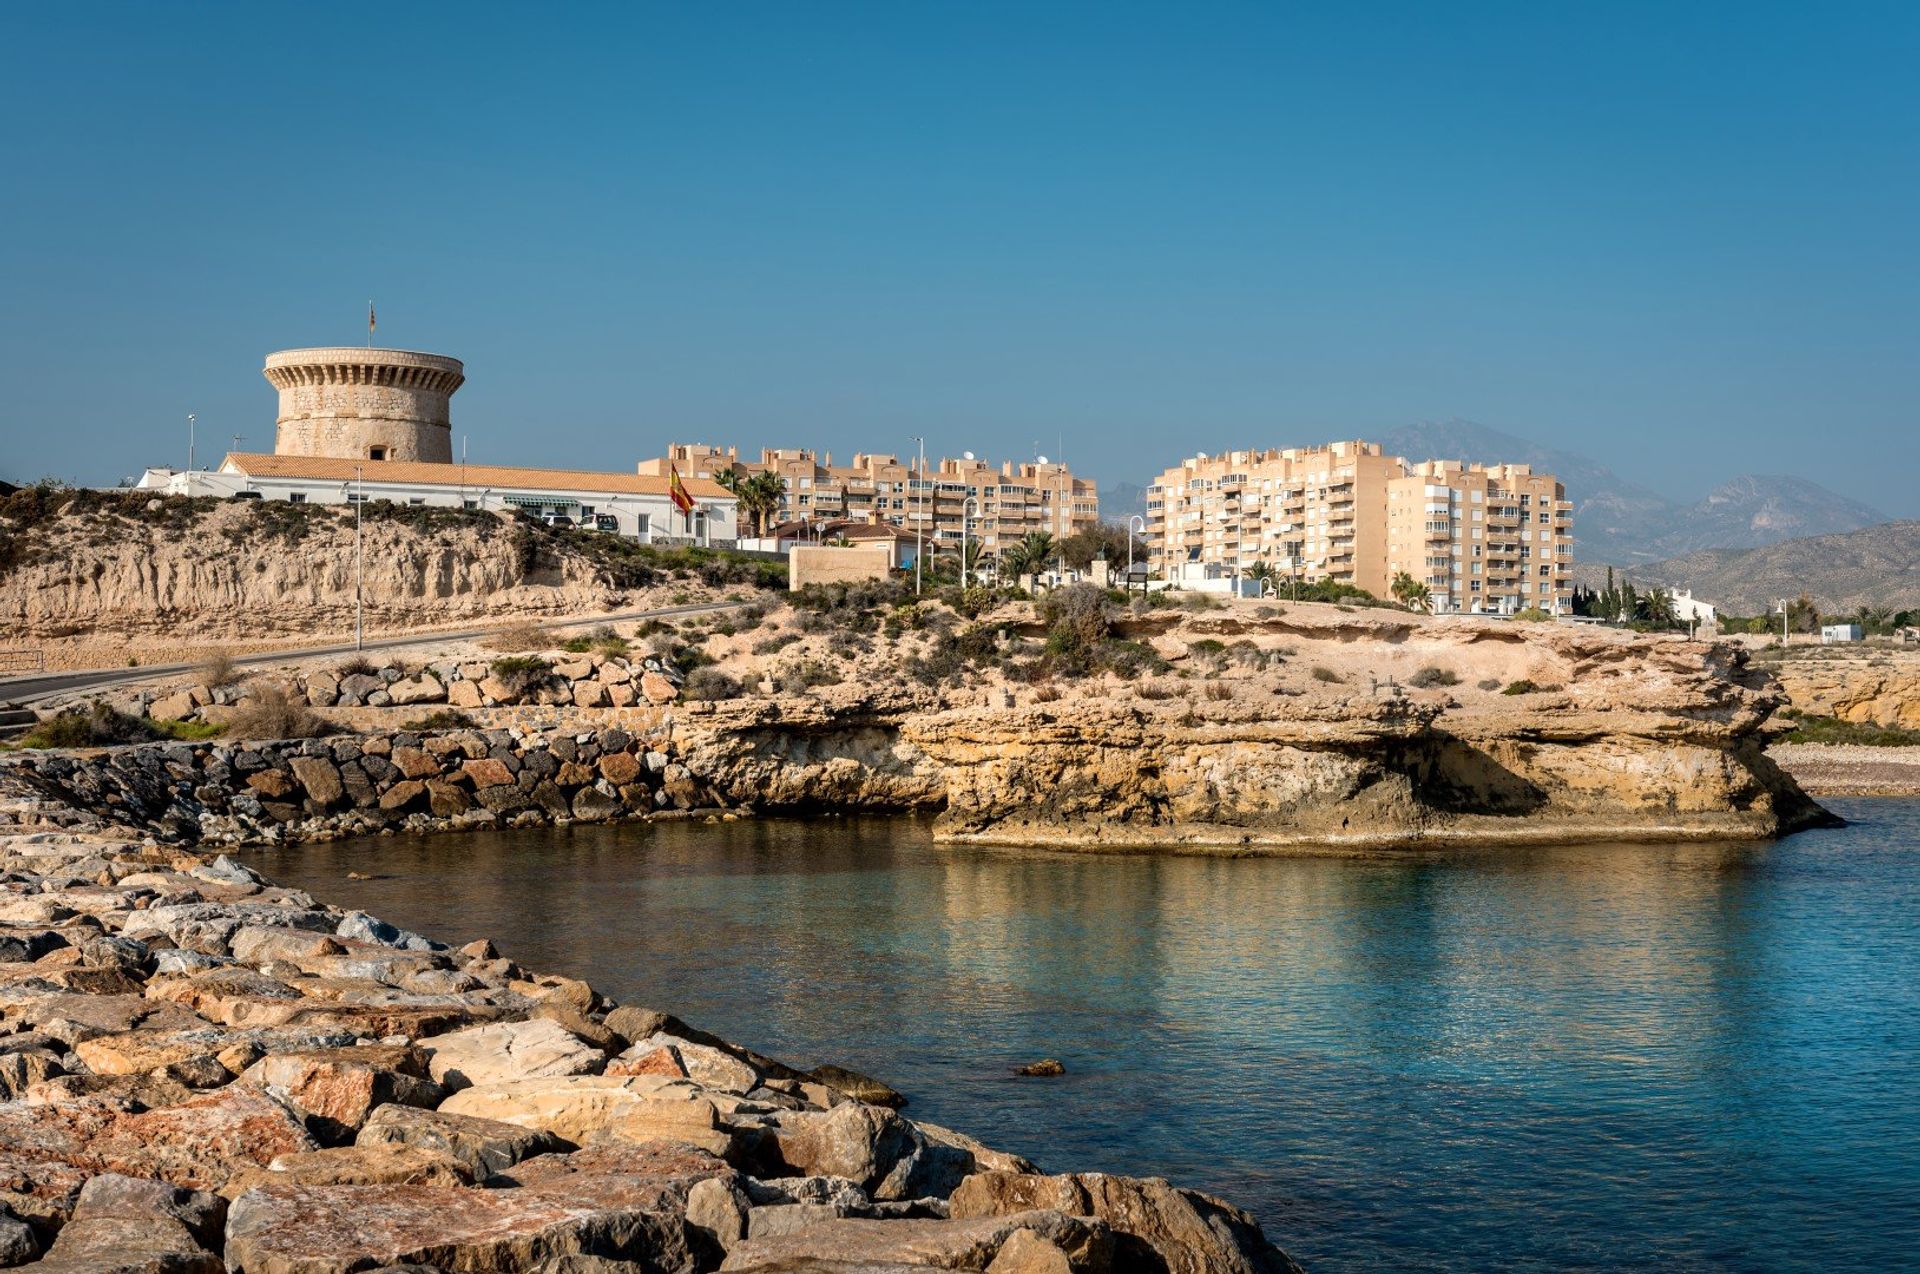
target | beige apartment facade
[
  {"x": 1001, "y": 504},
  {"x": 1483, "y": 540}
]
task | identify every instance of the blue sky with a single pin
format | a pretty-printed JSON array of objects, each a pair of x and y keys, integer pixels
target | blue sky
[{"x": 1680, "y": 238}]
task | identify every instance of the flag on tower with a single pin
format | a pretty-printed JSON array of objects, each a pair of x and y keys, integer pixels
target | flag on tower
[
  {"x": 369, "y": 320},
  {"x": 677, "y": 491}
]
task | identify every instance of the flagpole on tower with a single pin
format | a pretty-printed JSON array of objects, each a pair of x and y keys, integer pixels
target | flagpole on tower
[{"x": 369, "y": 324}]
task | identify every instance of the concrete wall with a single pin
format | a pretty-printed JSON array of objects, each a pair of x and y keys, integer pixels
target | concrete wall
[{"x": 832, "y": 564}]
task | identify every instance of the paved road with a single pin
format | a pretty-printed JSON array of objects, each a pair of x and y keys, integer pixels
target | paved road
[{"x": 40, "y": 686}]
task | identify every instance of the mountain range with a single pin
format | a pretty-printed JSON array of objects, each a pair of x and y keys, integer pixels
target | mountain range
[
  {"x": 1878, "y": 565},
  {"x": 1617, "y": 521}
]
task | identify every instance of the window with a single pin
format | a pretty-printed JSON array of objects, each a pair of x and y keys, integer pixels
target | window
[
  {"x": 296, "y": 497},
  {"x": 586, "y": 510},
  {"x": 417, "y": 500},
  {"x": 354, "y": 497},
  {"x": 469, "y": 504},
  {"x": 376, "y": 453},
  {"x": 640, "y": 524}
]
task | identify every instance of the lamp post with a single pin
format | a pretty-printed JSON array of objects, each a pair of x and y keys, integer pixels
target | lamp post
[
  {"x": 359, "y": 562},
  {"x": 191, "y": 418},
  {"x": 973, "y": 500},
  {"x": 1141, "y": 519},
  {"x": 919, "y": 520}
]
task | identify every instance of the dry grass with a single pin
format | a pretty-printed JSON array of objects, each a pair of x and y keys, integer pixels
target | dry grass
[
  {"x": 220, "y": 670},
  {"x": 527, "y": 636},
  {"x": 269, "y": 713}
]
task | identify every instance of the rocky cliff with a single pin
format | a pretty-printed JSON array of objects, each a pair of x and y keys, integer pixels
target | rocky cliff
[{"x": 1867, "y": 685}]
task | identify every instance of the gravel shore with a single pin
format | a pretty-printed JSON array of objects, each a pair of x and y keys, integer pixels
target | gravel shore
[{"x": 1846, "y": 769}]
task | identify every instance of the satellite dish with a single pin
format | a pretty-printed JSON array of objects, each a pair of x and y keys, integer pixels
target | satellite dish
[
  {"x": 967, "y": 455},
  {"x": 1043, "y": 459}
]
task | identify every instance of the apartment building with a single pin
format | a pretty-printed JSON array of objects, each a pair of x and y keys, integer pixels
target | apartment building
[
  {"x": 1001, "y": 504},
  {"x": 1483, "y": 540},
  {"x": 1492, "y": 539}
]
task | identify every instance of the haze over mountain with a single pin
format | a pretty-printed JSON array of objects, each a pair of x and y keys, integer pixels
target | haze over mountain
[
  {"x": 1878, "y": 565},
  {"x": 1622, "y": 522}
]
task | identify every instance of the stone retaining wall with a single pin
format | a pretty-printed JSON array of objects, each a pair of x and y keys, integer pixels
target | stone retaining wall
[{"x": 239, "y": 793}]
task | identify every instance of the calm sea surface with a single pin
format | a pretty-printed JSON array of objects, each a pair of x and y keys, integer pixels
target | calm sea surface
[{"x": 1621, "y": 1056}]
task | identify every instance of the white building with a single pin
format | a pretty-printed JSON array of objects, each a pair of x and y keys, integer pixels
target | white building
[
  {"x": 1690, "y": 610},
  {"x": 1834, "y": 634},
  {"x": 630, "y": 504}
]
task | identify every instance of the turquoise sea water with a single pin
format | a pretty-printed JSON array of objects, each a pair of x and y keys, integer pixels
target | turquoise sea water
[{"x": 1699, "y": 1057}]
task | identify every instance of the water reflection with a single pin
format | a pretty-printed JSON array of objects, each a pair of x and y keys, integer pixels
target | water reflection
[{"x": 1554, "y": 1056}]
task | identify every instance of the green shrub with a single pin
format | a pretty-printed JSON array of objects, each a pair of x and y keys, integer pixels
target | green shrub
[
  {"x": 1533, "y": 615},
  {"x": 1862, "y": 734},
  {"x": 1429, "y": 677},
  {"x": 802, "y": 675},
  {"x": 710, "y": 684},
  {"x": 354, "y": 666},
  {"x": 440, "y": 719},
  {"x": 1207, "y": 646},
  {"x": 775, "y": 644},
  {"x": 521, "y": 673},
  {"x": 1521, "y": 687},
  {"x": 94, "y": 726},
  {"x": 1488, "y": 683}
]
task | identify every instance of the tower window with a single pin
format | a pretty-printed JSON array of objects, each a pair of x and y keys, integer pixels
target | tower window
[{"x": 376, "y": 453}]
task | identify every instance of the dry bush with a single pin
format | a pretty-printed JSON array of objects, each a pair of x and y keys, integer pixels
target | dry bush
[
  {"x": 1488, "y": 683},
  {"x": 1428, "y": 678},
  {"x": 269, "y": 713},
  {"x": 710, "y": 684},
  {"x": 1046, "y": 693},
  {"x": 1219, "y": 691},
  {"x": 523, "y": 636},
  {"x": 355, "y": 666},
  {"x": 220, "y": 670},
  {"x": 1156, "y": 690},
  {"x": 1323, "y": 673}
]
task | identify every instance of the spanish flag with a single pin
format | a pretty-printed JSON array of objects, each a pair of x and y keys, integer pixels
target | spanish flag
[{"x": 677, "y": 491}]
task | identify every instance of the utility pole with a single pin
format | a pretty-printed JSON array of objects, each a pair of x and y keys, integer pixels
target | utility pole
[
  {"x": 359, "y": 596},
  {"x": 919, "y": 521}
]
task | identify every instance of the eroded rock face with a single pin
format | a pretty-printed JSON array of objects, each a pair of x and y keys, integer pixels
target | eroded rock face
[
  {"x": 972, "y": 1244},
  {"x": 538, "y": 1048},
  {"x": 481, "y": 1146}
]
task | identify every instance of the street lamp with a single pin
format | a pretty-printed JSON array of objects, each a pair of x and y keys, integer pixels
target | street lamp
[
  {"x": 919, "y": 518},
  {"x": 191, "y": 418},
  {"x": 1141, "y": 519},
  {"x": 973, "y": 500}
]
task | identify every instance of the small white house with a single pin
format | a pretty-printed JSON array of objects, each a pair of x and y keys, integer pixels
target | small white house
[
  {"x": 639, "y": 506},
  {"x": 1690, "y": 610},
  {"x": 1834, "y": 634}
]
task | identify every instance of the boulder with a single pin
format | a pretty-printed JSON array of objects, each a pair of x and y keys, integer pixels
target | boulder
[
  {"x": 856, "y": 1244},
  {"x": 404, "y": 795},
  {"x": 619, "y": 767},
  {"x": 504, "y": 1051},
  {"x": 1155, "y": 1225},
  {"x": 126, "y": 1225},
  {"x": 657, "y": 689},
  {"x": 320, "y": 779},
  {"x": 710, "y": 1067},
  {"x": 571, "y": 1107},
  {"x": 487, "y": 772},
  {"x": 481, "y": 1146},
  {"x": 857, "y": 1086},
  {"x": 356, "y": 1165},
  {"x": 424, "y": 688},
  {"x": 464, "y": 694},
  {"x": 617, "y": 1205},
  {"x": 336, "y": 1089},
  {"x": 199, "y": 1143},
  {"x": 869, "y": 1145},
  {"x": 414, "y": 763},
  {"x": 589, "y": 694}
]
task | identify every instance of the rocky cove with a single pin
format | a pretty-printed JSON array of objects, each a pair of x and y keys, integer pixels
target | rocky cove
[{"x": 201, "y": 1071}]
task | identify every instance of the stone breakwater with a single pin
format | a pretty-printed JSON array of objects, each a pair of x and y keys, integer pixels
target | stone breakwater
[
  {"x": 315, "y": 789},
  {"x": 202, "y": 1071}
]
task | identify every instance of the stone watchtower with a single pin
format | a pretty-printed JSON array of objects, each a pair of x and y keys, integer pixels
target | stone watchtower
[{"x": 364, "y": 404}]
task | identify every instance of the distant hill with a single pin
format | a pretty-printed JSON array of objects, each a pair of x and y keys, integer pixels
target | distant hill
[
  {"x": 1121, "y": 500},
  {"x": 1620, "y": 522},
  {"x": 1875, "y": 565}
]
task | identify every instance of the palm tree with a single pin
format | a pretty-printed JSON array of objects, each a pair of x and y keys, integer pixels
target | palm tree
[
  {"x": 1659, "y": 608},
  {"x": 1263, "y": 574},
  {"x": 759, "y": 495},
  {"x": 1874, "y": 619},
  {"x": 1410, "y": 592},
  {"x": 1030, "y": 555}
]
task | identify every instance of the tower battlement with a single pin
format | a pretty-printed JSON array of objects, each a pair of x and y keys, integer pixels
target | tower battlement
[{"x": 353, "y": 403}]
